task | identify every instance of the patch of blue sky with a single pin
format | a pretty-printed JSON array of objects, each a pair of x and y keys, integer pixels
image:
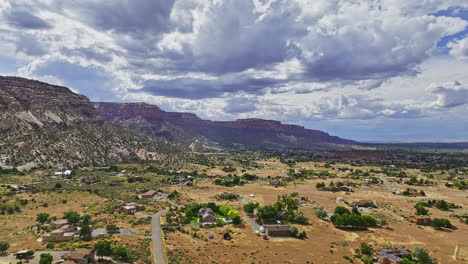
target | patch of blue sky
[
  {"x": 9, "y": 65},
  {"x": 453, "y": 11}
]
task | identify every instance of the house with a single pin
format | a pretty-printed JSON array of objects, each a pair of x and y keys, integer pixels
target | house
[
  {"x": 211, "y": 175},
  {"x": 132, "y": 208},
  {"x": 89, "y": 180},
  {"x": 67, "y": 172},
  {"x": 80, "y": 256},
  {"x": 180, "y": 181},
  {"x": 208, "y": 218},
  {"x": 392, "y": 255},
  {"x": 207, "y": 215},
  {"x": 149, "y": 194},
  {"x": 276, "y": 183},
  {"x": 57, "y": 224},
  {"x": 25, "y": 188},
  {"x": 278, "y": 230},
  {"x": 346, "y": 188},
  {"x": 363, "y": 203},
  {"x": 65, "y": 233},
  {"x": 419, "y": 220}
]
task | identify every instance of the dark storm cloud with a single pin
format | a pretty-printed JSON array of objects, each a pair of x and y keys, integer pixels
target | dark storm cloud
[
  {"x": 192, "y": 88},
  {"x": 139, "y": 18},
  {"x": 236, "y": 38},
  {"x": 25, "y": 20}
]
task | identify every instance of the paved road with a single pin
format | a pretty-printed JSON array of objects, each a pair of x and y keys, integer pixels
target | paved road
[
  {"x": 399, "y": 218},
  {"x": 385, "y": 182},
  {"x": 254, "y": 225},
  {"x": 158, "y": 251}
]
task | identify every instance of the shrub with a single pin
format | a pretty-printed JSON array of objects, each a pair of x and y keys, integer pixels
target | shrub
[
  {"x": 320, "y": 212},
  {"x": 46, "y": 258},
  {"x": 440, "y": 223},
  {"x": 103, "y": 248},
  {"x": 4, "y": 246},
  {"x": 340, "y": 210},
  {"x": 250, "y": 207},
  {"x": 42, "y": 217},
  {"x": 120, "y": 252},
  {"x": 366, "y": 249}
]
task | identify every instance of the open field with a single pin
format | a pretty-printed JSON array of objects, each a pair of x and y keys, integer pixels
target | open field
[{"x": 191, "y": 244}]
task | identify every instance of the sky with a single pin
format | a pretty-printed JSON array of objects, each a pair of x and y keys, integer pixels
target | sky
[{"x": 368, "y": 70}]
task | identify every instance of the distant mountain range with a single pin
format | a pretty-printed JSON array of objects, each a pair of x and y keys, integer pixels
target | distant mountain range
[
  {"x": 48, "y": 125},
  {"x": 187, "y": 129}
]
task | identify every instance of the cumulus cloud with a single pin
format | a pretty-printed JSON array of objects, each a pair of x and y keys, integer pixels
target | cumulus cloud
[
  {"x": 278, "y": 59},
  {"x": 449, "y": 95},
  {"x": 459, "y": 48},
  {"x": 240, "y": 105}
]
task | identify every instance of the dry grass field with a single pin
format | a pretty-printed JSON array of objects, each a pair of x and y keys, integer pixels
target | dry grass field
[{"x": 324, "y": 244}]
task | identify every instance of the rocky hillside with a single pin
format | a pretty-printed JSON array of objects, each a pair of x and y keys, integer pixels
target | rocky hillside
[
  {"x": 188, "y": 129},
  {"x": 47, "y": 125}
]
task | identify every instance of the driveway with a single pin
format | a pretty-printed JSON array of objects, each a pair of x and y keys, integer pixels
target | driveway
[
  {"x": 385, "y": 182},
  {"x": 254, "y": 225},
  {"x": 158, "y": 251}
]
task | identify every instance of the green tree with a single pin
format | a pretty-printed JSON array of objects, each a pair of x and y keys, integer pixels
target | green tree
[
  {"x": 120, "y": 252},
  {"x": 42, "y": 217},
  {"x": 421, "y": 255},
  {"x": 4, "y": 246},
  {"x": 366, "y": 249},
  {"x": 86, "y": 219},
  {"x": 340, "y": 210},
  {"x": 232, "y": 213},
  {"x": 441, "y": 223},
  {"x": 420, "y": 209},
  {"x": 224, "y": 209},
  {"x": 85, "y": 233},
  {"x": 442, "y": 205},
  {"x": 267, "y": 212},
  {"x": 72, "y": 217},
  {"x": 103, "y": 248},
  {"x": 250, "y": 207},
  {"x": 367, "y": 259},
  {"x": 46, "y": 258},
  {"x": 236, "y": 220},
  {"x": 320, "y": 212},
  {"x": 112, "y": 228}
]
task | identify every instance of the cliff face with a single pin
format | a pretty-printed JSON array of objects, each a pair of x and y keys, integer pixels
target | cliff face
[
  {"x": 48, "y": 125},
  {"x": 186, "y": 128}
]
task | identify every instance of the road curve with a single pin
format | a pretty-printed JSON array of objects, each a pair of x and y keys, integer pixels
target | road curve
[
  {"x": 158, "y": 251},
  {"x": 385, "y": 182}
]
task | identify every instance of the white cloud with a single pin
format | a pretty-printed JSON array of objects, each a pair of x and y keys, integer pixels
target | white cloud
[
  {"x": 459, "y": 48},
  {"x": 450, "y": 94}
]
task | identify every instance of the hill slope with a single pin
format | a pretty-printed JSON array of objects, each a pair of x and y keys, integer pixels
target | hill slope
[
  {"x": 47, "y": 125},
  {"x": 189, "y": 129}
]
